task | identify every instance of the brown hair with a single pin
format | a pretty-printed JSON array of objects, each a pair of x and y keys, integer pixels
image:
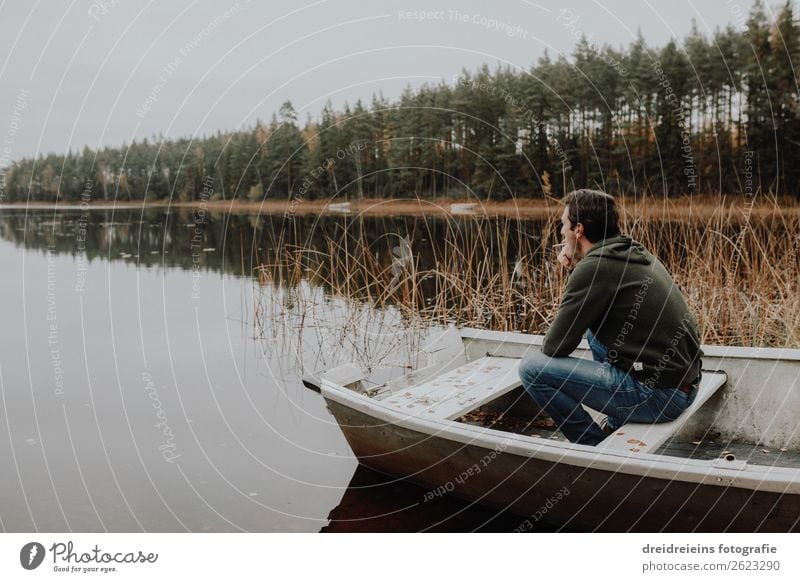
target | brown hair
[{"x": 595, "y": 210}]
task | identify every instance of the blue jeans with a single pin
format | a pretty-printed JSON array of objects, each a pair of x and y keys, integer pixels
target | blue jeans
[{"x": 560, "y": 385}]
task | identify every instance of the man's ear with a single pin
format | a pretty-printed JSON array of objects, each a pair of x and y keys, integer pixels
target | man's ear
[{"x": 578, "y": 230}]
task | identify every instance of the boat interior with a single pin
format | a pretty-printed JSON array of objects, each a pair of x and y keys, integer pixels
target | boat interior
[{"x": 515, "y": 412}]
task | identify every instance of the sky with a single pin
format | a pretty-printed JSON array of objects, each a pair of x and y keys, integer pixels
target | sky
[{"x": 105, "y": 72}]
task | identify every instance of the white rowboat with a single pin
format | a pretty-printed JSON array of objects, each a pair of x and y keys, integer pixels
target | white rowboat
[{"x": 676, "y": 476}]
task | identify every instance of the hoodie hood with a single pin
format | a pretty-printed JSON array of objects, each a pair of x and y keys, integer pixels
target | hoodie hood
[{"x": 621, "y": 248}]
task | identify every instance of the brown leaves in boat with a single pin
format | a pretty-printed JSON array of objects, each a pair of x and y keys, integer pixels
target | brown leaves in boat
[
  {"x": 500, "y": 421},
  {"x": 480, "y": 417}
]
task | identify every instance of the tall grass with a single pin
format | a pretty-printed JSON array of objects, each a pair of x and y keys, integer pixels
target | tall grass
[{"x": 738, "y": 266}]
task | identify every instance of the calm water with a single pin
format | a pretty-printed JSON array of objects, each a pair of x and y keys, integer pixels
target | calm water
[{"x": 138, "y": 393}]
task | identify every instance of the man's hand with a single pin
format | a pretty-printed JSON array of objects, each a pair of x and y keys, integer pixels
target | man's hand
[{"x": 565, "y": 259}]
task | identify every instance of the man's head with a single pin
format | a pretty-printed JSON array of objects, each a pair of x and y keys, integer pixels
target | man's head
[
  {"x": 595, "y": 210},
  {"x": 589, "y": 216}
]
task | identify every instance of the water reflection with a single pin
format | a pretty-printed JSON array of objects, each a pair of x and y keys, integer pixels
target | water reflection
[
  {"x": 133, "y": 402},
  {"x": 237, "y": 243},
  {"x": 375, "y": 503}
]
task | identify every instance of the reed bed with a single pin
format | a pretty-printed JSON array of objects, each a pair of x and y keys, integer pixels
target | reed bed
[{"x": 738, "y": 266}]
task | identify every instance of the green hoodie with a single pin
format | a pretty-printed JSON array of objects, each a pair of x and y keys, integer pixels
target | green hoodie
[{"x": 626, "y": 297}]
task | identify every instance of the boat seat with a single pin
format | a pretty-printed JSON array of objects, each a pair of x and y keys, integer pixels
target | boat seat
[
  {"x": 460, "y": 390},
  {"x": 637, "y": 438}
]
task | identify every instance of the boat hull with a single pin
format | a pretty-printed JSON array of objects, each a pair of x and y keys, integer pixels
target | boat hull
[{"x": 559, "y": 493}]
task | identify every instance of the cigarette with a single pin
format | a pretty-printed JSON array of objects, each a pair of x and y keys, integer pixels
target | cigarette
[{"x": 559, "y": 245}]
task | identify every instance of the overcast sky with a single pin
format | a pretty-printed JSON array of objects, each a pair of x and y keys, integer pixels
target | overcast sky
[{"x": 104, "y": 72}]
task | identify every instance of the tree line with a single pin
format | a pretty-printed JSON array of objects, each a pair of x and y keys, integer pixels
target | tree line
[{"x": 706, "y": 115}]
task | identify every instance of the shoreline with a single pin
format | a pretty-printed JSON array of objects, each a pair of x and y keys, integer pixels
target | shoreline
[{"x": 679, "y": 207}]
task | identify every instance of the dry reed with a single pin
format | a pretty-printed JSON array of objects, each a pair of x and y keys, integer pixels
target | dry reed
[{"x": 738, "y": 266}]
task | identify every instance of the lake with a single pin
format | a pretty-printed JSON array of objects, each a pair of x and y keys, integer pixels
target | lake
[{"x": 150, "y": 381}]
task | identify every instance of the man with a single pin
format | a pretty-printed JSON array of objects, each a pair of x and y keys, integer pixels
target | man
[{"x": 643, "y": 338}]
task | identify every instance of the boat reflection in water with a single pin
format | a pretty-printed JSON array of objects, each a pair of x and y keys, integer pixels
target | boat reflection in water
[{"x": 374, "y": 502}]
